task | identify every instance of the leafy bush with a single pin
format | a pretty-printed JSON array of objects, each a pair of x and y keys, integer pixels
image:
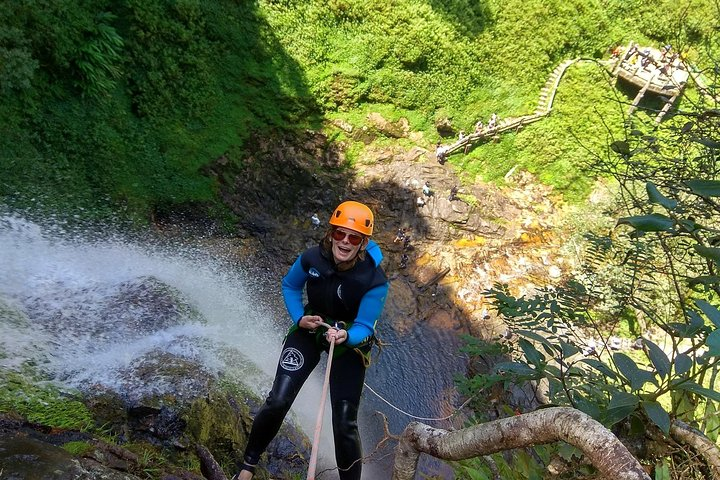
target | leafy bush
[{"x": 658, "y": 269}]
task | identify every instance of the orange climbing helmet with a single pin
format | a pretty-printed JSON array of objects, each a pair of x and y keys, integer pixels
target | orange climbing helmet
[{"x": 354, "y": 216}]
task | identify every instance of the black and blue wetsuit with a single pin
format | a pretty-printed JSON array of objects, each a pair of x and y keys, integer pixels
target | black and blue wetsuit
[{"x": 355, "y": 296}]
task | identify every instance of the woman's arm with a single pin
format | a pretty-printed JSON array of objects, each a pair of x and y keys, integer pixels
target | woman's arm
[
  {"x": 370, "y": 309},
  {"x": 292, "y": 288}
]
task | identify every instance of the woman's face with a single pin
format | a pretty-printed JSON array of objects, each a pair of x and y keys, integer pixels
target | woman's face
[{"x": 342, "y": 244}]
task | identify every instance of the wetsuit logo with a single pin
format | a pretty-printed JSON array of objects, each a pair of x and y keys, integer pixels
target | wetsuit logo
[
  {"x": 339, "y": 291},
  {"x": 291, "y": 359},
  {"x": 314, "y": 273}
]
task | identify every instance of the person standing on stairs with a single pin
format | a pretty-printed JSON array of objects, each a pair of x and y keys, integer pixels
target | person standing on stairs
[
  {"x": 346, "y": 288},
  {"x": 492, "y": 123}
]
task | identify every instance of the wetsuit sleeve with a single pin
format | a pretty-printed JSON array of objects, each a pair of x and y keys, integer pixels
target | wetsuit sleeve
[
  {"x": 292, "y": 288},
  {"x": 371, "y": 306}
]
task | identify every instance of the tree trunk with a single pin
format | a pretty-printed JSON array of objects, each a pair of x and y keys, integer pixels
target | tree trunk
[{"x": 547, "y": 425}]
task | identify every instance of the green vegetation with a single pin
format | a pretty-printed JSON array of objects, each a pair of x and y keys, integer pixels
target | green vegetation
[
  {"x": 77, "y": 448},
  {"x": 655, "y": 277},
  {"x": 42, "y": 404},
  {"x": 107, "y": 105},
  {"x": 118, "y": 107}
]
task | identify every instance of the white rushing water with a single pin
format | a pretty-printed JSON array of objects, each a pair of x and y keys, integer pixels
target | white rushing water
[
  {"x": 85, "y": 323},
  {"x": 69, "y": 292}
]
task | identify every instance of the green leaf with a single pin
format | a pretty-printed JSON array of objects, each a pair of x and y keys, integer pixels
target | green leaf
[
  {"x": 630, "y": 370},
  {"x": 658, "y": 415},
  {"x": 568, "y": 349},
  {"x": 656, "y": 197},
  {"x": 657, "y": 356},
  {"x": 532, "y": 355},
  {"x": 683, "y": 364},
  {"x": 702, "y": 391},
  {"x": 697, "y": 323},
  {"x": 600, "y": 367},
  {"x": 474, "y": 474},
  {"x": 708, "y": 142},
  {"x": 708, "y": 252},
  {"x": 534, "y": 336},
  {"x": 517, "y": 368},
  {"x": 654, "y": 222},
  {"x": 712, "y": 421},
  {"x": 691, "y": 329},
  {"x": 705, "y": 188},
  {"x": 621, "y": 147},
  {"x": 662, "y": 471},
  {"x": 710, "y": 311},
  {"x": 623, "y": 399},
  {"x": 690, "y": 226},
  {"x": 707, "y": 280},
  {"x": 621, "y": 405},
  {"x": 567, "y": 451},
  {"x": 589, "y": 407},
  {"x": 713, "y": 343}
]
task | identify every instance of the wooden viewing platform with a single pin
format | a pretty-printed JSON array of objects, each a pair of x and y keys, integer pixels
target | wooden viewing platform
[{"x": 653, "y": 71}]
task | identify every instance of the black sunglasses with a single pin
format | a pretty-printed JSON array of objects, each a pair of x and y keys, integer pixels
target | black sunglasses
[{"x": 353, "y": 238}]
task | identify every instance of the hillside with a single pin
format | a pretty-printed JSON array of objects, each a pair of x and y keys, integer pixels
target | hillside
[{"x": 117, "y": 108}]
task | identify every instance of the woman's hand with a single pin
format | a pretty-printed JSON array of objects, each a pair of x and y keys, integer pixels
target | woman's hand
[
  {"x": 337, "y": 334},
  {"x": 310, "y": 322}
]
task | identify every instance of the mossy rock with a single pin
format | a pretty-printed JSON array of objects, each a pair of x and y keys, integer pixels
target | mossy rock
[{"x": 221, "y": 424}]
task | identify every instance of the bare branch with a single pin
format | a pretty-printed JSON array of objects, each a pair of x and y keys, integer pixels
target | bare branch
[
  {"x": 684, "y": 433},
  {"x": 548, "y": 425}
]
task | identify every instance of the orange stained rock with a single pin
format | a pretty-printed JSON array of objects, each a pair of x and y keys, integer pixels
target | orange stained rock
[{"x": 467, "y": 242}]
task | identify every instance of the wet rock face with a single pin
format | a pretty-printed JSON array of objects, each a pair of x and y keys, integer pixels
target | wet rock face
[
  {"x": 24, "y": 457},
  {"x": 110, "y": 313},
  {"x": 478, "y": 234}
]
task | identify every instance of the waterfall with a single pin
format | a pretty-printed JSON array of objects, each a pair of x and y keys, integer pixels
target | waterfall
[{"x": 80, "y": 325}]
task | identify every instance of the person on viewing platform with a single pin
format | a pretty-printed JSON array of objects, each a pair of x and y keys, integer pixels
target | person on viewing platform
[
  {"x": 479, "y": 126},
  {"x": 632, "y": 51},
  {"x": 665, "y": 51},
  {"x": 346, "y": 289}
]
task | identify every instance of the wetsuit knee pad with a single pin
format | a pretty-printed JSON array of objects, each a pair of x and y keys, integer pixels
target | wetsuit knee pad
[
  {"x": 345, "y": 417},
  {"x": 270, "y": 417},
  {"x": 282, "y": 394},
  {"x": 348, "y": 449}
]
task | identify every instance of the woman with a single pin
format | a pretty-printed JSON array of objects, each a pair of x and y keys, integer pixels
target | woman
[{"x": 346, "y": 288}]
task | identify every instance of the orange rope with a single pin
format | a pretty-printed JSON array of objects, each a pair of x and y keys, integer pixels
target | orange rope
[{"x": 321, "y": 411}]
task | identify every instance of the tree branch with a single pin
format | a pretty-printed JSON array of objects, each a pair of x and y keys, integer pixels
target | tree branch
[
  {"x": 547, "y": 425},
  {"x": 684, "y": 433}
]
